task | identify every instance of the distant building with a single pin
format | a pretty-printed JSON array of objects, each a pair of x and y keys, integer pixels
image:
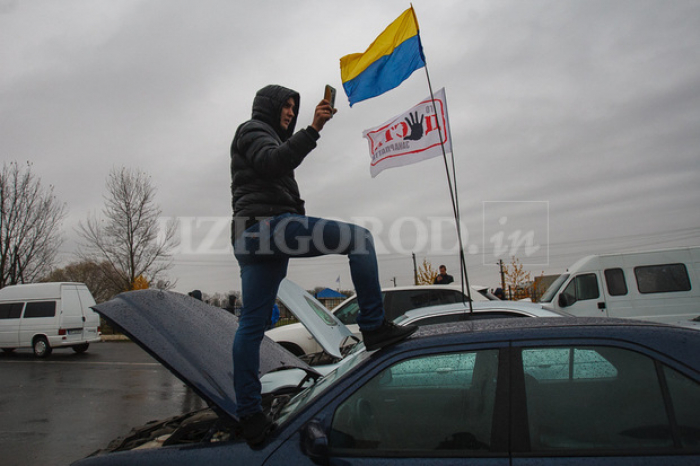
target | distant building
[
  {"x": 540, "y": 285},
  {"x": 330, "y": 298}
]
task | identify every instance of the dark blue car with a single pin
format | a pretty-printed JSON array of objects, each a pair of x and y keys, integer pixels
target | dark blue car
[{"x": 517, "y": 392}]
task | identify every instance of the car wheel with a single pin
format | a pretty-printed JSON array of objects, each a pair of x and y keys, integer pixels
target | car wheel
[
  {"x": 81, "y": 348},
  {"x": 8, "y": 350},
  {"x": 292, "y": 348},
  {"x": 41, "y": 346}
]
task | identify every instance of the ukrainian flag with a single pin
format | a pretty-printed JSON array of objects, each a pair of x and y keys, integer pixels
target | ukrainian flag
[{"x": 390, "y": 60}]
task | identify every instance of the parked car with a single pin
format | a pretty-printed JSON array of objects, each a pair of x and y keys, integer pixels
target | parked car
[
  {"x": 47, "y": 316},
  {"x": 574, "y": 391},
  {"x": 297, "y": 339},
  {"x": 485, "y": 292},
  {"x": 479, "y": 311},
  {"x": 661, "y": 286}
]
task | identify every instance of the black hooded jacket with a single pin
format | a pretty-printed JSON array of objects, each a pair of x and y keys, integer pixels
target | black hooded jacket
[{"x": 263, "y": 159}]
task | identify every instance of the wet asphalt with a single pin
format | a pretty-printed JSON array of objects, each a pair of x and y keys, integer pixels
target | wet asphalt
[{"x": 57, "y": 410}]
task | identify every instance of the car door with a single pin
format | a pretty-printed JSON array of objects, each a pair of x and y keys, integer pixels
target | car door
[
  {"x": 9, "y": 324},
  {"x": 72, "y": 319},
  {"x": 583, "y": 296},
  {"x": 440, "y": 408},
  {"x": 601, "y": 402},
  {"x": 92, "y": 320}
]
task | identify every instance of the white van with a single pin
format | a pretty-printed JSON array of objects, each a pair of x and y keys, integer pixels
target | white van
[
  {"x": 661, "y": 286},
  {"x": 45, "y": 316}
]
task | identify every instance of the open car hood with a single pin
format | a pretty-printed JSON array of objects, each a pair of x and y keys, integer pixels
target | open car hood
[
  {"x": 326, "y": 328},
  {"x": 192, "y": 339}
]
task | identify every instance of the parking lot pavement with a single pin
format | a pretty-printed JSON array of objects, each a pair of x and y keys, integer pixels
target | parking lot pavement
[{"x": 57, "y": 410}]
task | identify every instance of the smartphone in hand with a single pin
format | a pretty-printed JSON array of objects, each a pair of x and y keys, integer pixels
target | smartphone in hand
[{"x": 329, "y": 95}]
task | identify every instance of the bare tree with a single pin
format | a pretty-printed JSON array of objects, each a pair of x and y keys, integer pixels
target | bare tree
[
  {"x": 130, "y": 238},
  {"x": 30, "y": 223},
  {"x": 99, "y": 278}
]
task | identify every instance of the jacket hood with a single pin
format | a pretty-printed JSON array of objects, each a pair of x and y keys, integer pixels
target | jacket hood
[{"x": 267, "y": 107}]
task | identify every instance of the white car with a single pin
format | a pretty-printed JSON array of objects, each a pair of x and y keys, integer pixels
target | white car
[
  {"x": 478, "y": 311},
  {"x": 397, "y": 301}
]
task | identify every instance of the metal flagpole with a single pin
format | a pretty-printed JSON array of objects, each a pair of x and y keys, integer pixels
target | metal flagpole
[{"x": 452, "y": 183}]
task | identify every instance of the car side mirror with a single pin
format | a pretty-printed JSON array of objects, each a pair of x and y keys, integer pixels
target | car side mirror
[
  {"x": 314, "y": 442},
  {"x": 563, "y": 301}
]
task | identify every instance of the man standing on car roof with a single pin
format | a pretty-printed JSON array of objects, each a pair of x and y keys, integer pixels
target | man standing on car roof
[{"x": 270, "y": 226}]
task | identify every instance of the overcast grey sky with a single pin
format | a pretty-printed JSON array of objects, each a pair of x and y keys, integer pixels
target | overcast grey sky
[{"x": 576, "y": 124}]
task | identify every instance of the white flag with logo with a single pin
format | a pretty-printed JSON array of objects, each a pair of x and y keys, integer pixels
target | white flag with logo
[{"x": 410, "y": 137}]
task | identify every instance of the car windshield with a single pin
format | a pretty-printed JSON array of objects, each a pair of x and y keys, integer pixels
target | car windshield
[
  {"x": 553, "y": 288},
  {"x": 300, "y": 400}
]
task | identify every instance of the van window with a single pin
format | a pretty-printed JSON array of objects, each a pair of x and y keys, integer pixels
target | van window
[
  {"x": 587, "y": 287},
  {"x": 40, "y": 309},
  {"x": 615, "y": 281},
  {"x": 11, "y": 310},
  {"x": 662, "y": 278},
  {"x": 553, "y": 289}
]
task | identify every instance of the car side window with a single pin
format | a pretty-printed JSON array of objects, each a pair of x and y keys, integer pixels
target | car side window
[
  {"x": 40, "y": 309},
  {"x": 11, "y": 310},
  {"x": 582, "y": 287},
  {"x": 662, "y": 278},
  {"x": 685, "y": 396},
  {"x": 615, "y": 280},
  {"x": 605, "y": 399},
  {"x": 569, "y": 293},
  {"x": 348, "y": 313},
  {"x": 550, "y": 364},
  {"x": 587, "y": 287},
  {"x": 429, "y": 406},
  {"x": 399, "y": 302}
]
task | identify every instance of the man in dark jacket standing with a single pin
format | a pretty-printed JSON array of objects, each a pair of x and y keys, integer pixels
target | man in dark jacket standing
[
  {"x": 270, "y": 226},
  {"x": 443, "y": 278}
]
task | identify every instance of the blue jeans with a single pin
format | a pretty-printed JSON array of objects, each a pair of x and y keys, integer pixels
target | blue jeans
[{"x": 263, "y": 252}]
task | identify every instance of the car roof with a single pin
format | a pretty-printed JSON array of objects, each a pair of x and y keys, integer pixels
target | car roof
[
  {"x": 36, "y": 291},
  {"x": 678, "y": 342}
]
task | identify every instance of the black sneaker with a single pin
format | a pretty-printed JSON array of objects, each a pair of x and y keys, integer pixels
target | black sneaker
[
  {"x": 255, "y": 428},
  {"x": 387, "y": 334}
]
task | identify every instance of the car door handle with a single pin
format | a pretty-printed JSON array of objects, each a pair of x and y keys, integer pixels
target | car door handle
[{"x": 601, "y": 305}]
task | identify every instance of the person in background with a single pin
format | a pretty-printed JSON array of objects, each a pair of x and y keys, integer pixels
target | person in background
[
  {"x": 443, "y": 277},
  {"x": 500, "y": 294}
]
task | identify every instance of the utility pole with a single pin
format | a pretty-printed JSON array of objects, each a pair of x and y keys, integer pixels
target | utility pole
[
  {"x": 415, "y": 270},
  {"x": 503, "y": 275}
]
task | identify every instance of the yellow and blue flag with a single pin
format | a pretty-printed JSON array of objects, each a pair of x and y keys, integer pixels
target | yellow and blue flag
[{"x": 393, "y": 56}]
